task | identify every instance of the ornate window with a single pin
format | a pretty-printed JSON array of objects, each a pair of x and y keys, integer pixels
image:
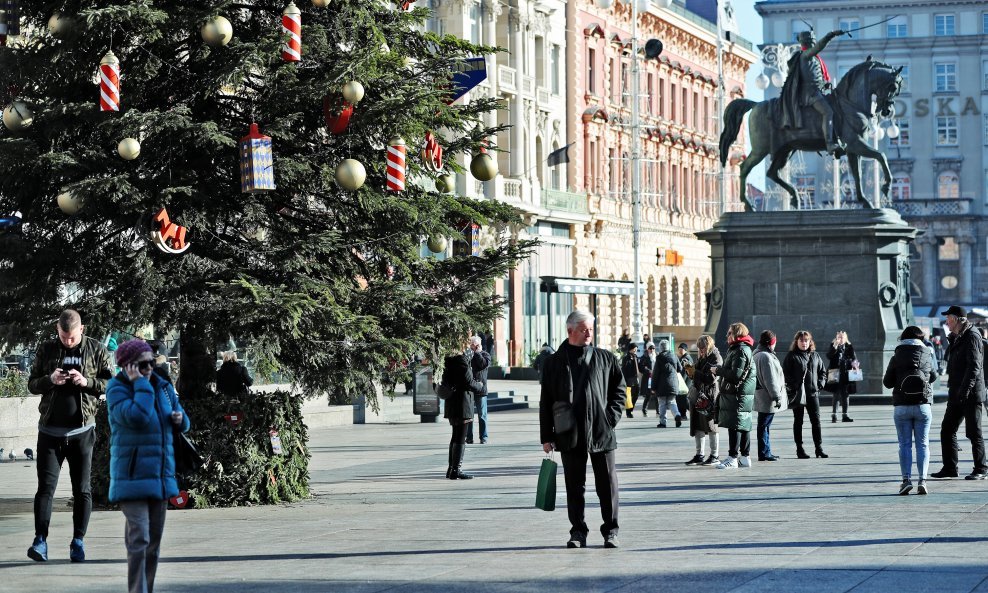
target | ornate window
[
  {"x": 591, "y": 71},
  {"x": 897, "y": 27},
  {"x": 945, "y": 74},
  {"x": 947, "y": 130},
  {"x": 948, "y": 186}
]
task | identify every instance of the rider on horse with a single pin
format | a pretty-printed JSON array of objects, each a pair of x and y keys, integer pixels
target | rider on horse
[{"x": 806, "y": 85}]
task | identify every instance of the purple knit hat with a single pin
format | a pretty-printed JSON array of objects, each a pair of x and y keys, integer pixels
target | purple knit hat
[{"x": 130, "y": 351}]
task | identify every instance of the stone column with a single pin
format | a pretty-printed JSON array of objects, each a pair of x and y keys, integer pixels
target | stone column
[
  {"x": 966, "y": 271},
  {"x": 928, "y": 243},
  {"x": 516, "y": 31}
]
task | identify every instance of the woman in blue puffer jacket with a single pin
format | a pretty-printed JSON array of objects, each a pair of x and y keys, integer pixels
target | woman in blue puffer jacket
[{"x": 142, "y": 408}]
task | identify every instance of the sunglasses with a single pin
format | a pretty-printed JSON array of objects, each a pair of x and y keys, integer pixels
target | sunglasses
[{"x": 145, "y": 365}]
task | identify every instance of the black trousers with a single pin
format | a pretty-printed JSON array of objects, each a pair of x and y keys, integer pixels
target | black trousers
[
  {"x": 970, "y": 412},
  {"x": 840, "y": 395},
  {"x": 738, "y": 440},
  {"x": 605, "y": 481},
  {"x": 812, "y": 407},
  {"x": 52, "y": 451}
]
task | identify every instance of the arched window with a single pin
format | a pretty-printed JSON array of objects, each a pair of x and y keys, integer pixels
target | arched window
[
  {"x": 687, "y": 308},
  {"x": 663, "y": 317},
  {"x": 901, "y": 187},
  {"x": 948, "y": 186},
  {"x": 697, "y": 302},
  {"x": 675, "y": 301}
]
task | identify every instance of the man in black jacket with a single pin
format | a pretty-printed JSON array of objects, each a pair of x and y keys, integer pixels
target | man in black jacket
[
  {"x": 582, "y": 402},
  {"x": 480, "y": 362},
  {"x": 629, "y": 367},
  {"x": 965, "y": 394}
]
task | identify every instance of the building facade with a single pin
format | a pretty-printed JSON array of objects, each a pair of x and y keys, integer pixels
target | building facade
[
  {"x": 939, "y": 159},
  {"x": 679, "y": 157}
]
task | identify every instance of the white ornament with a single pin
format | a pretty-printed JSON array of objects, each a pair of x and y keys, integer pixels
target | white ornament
[
  {"x": 350, "y": 174},
  {"x": 320, "y": 3},
  {"x": 893, "y": 131},
  {"x": 446, "y": 183},
  {"x": 129, "y": 149},
  {"x": 68, "y": 203},
  {"x": 353, "y": 92},
  {"x": 217, "y": 31},
  {"x": 437, "y": 244},
  {"x": 17, "y": 116},
  {"x": 59, "y": 25},
  {"x": 483, "y": 167}
]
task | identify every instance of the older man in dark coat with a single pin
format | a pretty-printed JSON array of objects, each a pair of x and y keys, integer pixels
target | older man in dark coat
[
  {"x": 582, "y": 402},
  {"x": 965, "y": 394}
]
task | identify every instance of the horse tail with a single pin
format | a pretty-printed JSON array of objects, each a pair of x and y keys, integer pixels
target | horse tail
[{"x": 733, "y": 116}]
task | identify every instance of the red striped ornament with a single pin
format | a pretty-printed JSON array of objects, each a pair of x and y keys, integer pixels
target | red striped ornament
[
  {"x": 109, "y": 83},
  {"x": 291, "y": 25},
  {"x": 396, "y": 165}
]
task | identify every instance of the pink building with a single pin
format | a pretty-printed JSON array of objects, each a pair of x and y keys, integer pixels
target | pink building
[{"x": 680, "y": 167}]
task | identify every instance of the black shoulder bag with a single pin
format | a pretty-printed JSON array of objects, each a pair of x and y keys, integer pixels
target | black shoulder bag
[{"x": 187, "y": 457}]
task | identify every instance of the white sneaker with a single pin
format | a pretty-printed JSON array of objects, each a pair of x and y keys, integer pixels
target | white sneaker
[
  {"x": 729, "y": 463},
  {"x": 745, "y": 461}
]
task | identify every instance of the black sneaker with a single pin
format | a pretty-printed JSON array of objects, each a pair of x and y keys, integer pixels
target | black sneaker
[
  {"x": 611, "y": 541},
  {"x": 944, "y": 473},
  {"x": 712, "y": 460},
  {"x": 976, "y": 475},
  {"x": 697, "y": 460},
  {"x": 577, "y": 540},
  {"x": 679, "y": 421}
]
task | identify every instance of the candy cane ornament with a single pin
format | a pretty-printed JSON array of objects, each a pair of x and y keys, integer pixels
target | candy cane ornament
[
  {"x": 291, "y": 25},
  {"x": 396, "y": 165},
  {"x": 109, "y": 83},
  {"x": 432, "y": 154}
]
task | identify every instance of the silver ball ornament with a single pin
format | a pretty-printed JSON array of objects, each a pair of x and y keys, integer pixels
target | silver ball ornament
[
  {"x": 350, "y": 174},
  {"x": 446, "y": 183},
  {"x": 129, "y": 149},
  {"x": 353, "y": 92},
  {"x": 483, "y": 167},
  {"x": 17, "y": 116},
  {"x": 68, "y": 203},
  {"x": 217, "y": 31},
  {"x": 436, "y": 244}
]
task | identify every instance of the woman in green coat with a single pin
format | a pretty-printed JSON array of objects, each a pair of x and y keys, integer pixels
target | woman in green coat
[{"x": 737, "y": 395}]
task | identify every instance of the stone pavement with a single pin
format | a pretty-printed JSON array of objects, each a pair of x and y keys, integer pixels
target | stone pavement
[{"x": 383, "y": 519}]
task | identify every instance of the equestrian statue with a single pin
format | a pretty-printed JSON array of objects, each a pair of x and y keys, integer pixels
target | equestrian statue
[{"x": 809, "y": 117}]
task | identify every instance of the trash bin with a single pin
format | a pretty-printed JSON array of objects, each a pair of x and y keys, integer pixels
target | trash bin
[{"x": 425, "y": 401}]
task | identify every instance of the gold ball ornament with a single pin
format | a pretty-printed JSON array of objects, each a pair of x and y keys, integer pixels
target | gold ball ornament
[
  {"x": 217, "y": 31},
  {"x": 68, "y": 203},
  {"x": 353, "y": 92},
  {"x": 446, "y": 183},
  {"x": 17, "y": 116},
  {"x": 483, "y": 167},
  {"x": 320, "y": 3},
  {"x": 436, "y": 244},
  {"x": 59, "y": 24},
  {"x": 350, "y": 174},
  {"x": 129, "y": 149}
]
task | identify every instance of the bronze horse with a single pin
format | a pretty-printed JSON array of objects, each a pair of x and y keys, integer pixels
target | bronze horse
[{"x": 852, "y": 105}]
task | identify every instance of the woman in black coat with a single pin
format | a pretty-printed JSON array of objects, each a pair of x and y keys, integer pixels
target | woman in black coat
[
  {"x": 842, "y": 358},
  {"x": 703, "y": 422},
  {"x": 806, "y": 375},
  {"x": 458, "y": 375}
]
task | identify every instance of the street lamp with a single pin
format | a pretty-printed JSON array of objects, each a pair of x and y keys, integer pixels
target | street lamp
[{"x": 775, "y": 64}]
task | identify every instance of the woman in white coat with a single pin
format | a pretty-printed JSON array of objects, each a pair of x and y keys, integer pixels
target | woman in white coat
[{"x": 770, "y": 392}]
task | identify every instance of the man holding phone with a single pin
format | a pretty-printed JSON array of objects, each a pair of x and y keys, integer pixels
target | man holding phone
[{"x": 70, "y": 373}]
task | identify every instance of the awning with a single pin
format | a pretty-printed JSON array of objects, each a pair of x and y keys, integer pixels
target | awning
[{"x": 552, "y": 284}]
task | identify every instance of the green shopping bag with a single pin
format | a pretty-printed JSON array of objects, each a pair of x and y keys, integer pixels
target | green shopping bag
[{"x": 545, "y": 496}]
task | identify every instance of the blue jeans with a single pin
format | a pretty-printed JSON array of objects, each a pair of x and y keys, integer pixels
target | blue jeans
[
  {"x": 480, "y": 402},
  {"x": 913, "y": 423},
  {"x": 764, "y": 446},
  {"x": 667, "y": 402}
]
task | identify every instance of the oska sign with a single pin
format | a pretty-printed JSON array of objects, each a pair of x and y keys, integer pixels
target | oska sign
[{"x": 944, "y": 106}]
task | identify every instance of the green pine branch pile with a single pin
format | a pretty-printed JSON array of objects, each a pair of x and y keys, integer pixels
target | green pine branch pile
[{"x": 330, "y": 284}]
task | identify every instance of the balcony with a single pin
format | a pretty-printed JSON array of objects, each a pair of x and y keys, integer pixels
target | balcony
[
  {"x": 542, "y": 97},
  {"x": 566, "y": 201},
  {"x": 506, "y": 79},
  {"x": 917, "y": 208},
  {"x": 528, "y": 85},
  {"x": 512, "y": 189}
]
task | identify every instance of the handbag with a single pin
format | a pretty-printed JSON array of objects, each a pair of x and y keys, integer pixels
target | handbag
[
  {"x": 704, "y": 403},
  {"x": 444, "y": 391},
  {"x": 833, "y": 376},
  {"x": 629, "y": 404},
  {"x": 855, "y": 375},
  {"x": 683, "y": 388},
  {"x": 545, "y": 493},
  {"x": 187, "y": 457}
]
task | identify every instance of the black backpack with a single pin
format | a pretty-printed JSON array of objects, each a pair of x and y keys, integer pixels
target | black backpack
[{"x": 912, "y": 387}]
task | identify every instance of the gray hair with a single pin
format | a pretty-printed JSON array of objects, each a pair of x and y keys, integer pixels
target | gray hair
[
  {"x": 577, "y": 317},
  {"x": 663, "y": 345},
  {"x": 475, "y": 340}
]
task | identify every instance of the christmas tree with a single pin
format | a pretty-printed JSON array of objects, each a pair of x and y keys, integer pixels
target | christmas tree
[{"x": 124, "y": 117}]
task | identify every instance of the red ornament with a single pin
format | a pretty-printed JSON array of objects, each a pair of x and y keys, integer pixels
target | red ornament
[
  {"x": 291, "y": 25},
  {"x": 234, "y": 418},
  {"x": 337, "y": 120},
  {"x": 181, "y": 500},
  {"x": 432, "y": 154},
  {"x": 396, "y": 165},
  {"x": 168, "y": 236},
  {"x": 109, "y": 83},
  {"x": 405, "y": 5}
]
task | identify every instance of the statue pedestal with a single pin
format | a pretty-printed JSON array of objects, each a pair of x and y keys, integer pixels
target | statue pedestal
[{"x": 816, "y": 270}]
